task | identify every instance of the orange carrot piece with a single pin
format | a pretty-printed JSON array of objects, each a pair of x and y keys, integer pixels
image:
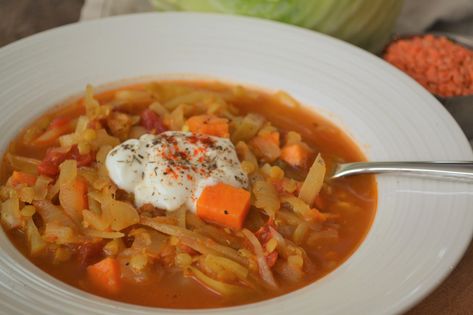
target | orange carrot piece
[
  {"x": 296, "y": 155},
  {"x": 58, "y": 127},
  {"x": 273, "y": 137},
  {"x": 269, "y": 139},
  {"x": 106, "y": 275},
  {"x": 209, "y": 125},
  {"x": 80, "y": 186},
  {"x": 59, "y": 122},
  {"x": 73, "y": 198},
  {"x": 18, "y": 178},
  {"x": 224, "y": 205},
  {"x": 266, "y": 146}
]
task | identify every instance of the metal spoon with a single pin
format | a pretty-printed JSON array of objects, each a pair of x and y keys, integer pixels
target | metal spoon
[{"x": 452, "y": 169}]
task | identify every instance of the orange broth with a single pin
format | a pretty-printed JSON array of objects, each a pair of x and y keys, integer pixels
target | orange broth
[{"x": 172, "y": 290}]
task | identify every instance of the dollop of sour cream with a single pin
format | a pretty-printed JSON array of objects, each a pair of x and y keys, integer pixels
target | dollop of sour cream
[{"x": 172, "y": 169}]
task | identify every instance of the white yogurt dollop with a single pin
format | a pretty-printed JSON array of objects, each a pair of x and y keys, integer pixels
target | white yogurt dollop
[{"x": 173, "y": 168}]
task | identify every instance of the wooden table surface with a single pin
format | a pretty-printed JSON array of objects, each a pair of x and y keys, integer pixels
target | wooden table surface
[{"x": 20, "y": 18}]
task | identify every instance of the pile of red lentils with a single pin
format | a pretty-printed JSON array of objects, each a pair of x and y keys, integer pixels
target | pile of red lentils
[{"x": 440, "y": 65}]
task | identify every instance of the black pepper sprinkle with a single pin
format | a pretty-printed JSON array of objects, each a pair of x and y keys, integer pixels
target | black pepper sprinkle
[
  {"x": 127, "y": 146},
  {"x": 136, "y": 159}
]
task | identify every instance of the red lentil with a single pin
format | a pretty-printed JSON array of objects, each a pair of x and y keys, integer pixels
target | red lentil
[{"x": 440, "y": 65}]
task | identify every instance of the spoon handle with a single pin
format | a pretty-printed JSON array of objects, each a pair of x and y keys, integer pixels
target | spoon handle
[{"x": 455, "y": 169}]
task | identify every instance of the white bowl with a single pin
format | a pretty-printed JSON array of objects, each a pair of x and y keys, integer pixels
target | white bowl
[{"x": 422, "y": 226}]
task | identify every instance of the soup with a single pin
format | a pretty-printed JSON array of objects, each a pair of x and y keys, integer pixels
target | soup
[{"x": 184, "y": 194}]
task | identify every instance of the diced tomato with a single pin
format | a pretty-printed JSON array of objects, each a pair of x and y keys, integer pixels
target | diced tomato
[
  {"x": 271, "y": 258},
  {"x": 48, "y": 169},
  {"x": 152, "y": 122},
  {"x": 49, "y": 166},
  {"x": 82, "y": 159},
  {"x": 55, "y": 156},
  {"x": 264, "y": 233}
]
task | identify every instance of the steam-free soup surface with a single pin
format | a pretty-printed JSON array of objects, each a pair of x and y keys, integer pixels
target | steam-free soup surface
[{"x": 280, "y": 227}]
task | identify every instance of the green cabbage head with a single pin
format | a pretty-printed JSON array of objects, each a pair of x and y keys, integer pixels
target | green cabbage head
[{"x": 365, "y": 23}]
